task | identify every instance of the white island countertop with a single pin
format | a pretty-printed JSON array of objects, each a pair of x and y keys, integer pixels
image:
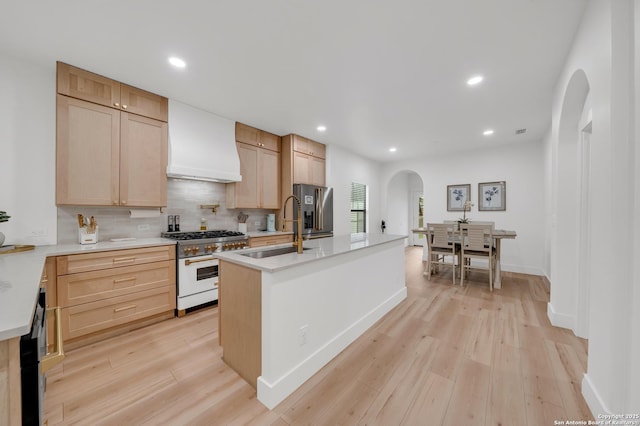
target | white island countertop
[
  {"x": 20, "y": 275},
  {"x": 317, "y": 249}
]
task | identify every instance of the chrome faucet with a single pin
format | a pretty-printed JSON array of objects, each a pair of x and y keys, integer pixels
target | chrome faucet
[{"x": 298, "y": 241}]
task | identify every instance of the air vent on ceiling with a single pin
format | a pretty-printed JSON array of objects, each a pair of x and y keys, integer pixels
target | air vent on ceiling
[{"x": 520, "y": 131}]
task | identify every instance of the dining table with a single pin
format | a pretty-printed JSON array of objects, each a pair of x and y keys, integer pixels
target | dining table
[{"x": 498, "y": 235}]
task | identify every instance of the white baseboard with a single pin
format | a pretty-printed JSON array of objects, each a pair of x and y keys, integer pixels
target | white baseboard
[
  {"x": 521, "y": 269},
  {"x": 560, "y": 320},
  {"x": 271, "y": 394},
  {"x": 592, "y": 398}
]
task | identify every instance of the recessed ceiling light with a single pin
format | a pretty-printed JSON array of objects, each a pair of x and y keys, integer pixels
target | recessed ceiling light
[
  {"x": 475, "y": 80},
  {"x": 393, "y": 149},
  {"x": 321, "y": 128},
  {"x": 487, "y": 132},
  {"x": 177, "y": 62}
]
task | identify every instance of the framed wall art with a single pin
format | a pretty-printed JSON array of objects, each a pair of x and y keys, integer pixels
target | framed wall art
[
  {"x": 457, "y": 195},
  {"x": 492, "y": 196}
]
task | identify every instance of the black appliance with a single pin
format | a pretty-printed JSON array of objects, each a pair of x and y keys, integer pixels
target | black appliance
[{"x": 33, "y": 347}]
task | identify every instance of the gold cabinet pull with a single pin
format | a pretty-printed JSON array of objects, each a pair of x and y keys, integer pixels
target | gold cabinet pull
[
  {"x": 124, "y": 308},
  {"x": 116, "y": 104},
  {"x": 54, "y": 358},
  {"x": 124, "y": 107},
  {"x": 123, "y": 259},
  {"x": 189, "y": 261},
  {"x": 123, "y": 280}
]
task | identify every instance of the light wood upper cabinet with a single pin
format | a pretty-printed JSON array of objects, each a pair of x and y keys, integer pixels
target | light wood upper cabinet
[
  {"x": 81, "y": 84},
  {"x": 141, "y": 102},
  {"x": 303, "y": 162},
  {"x": 91, "y": 87},
  {"x": 87, "y": 153},
  {"x": 106, "y": 157},
  {"x": 143, "y": 161},
  {"x": 309, "y": 147},
  {"x": 111, "y": 142},
  {"x": 259, "y": 153}
]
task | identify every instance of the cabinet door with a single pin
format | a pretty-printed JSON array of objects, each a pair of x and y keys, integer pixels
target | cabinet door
[
  {"x": 246, "y": 134},
  {"x": 141, "y": 102},
  {"x": 48, "y": 281},
  {"x": 317, "y": 171},
  {"x": 143, "y": 161},
  {"x": 270, "y": 184},
  {"x": 87, "y": 153},
  {"x": 317, "y": 149},
  {"x": 300, "y": 144},
  {"x": 246, "y": 192},
  {"x": 88, "y": 86},
  {"x": 269, "y": 141},
  {"x": 301, "y": 168}
]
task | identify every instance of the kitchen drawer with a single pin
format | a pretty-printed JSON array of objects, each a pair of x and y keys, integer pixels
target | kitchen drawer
[
  {"x": 270, "y": 240},
  {"x": 91, "y": 317},
  {"x": 113, "y": 259},
  {"x": 91, "y": 286}
]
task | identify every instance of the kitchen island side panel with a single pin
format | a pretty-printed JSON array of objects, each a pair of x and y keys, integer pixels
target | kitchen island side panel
[{"x": 314, "y": 311}]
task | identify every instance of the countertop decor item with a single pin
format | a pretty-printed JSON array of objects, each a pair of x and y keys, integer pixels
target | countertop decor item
[
  {"x": 242, "y": 218},
  {"x": 242, "y": 222},
  {"x": 87, "y": 230}
]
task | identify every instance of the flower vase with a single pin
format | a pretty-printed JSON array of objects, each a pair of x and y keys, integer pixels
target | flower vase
[
  {"x": 242, "y": 227},
  {"x": 1, "y": 239}
]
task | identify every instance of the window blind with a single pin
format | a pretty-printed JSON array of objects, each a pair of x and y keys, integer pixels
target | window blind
[{"x": 358, "y": 207}]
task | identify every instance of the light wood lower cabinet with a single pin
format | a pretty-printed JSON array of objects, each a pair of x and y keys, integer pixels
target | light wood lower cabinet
[
  {"x": 10, "y": 399},
  {"x": 100, "y": 292},
  {"x": 112, "y": 259},
  {"x": 87, "y": 318},
  {"x": 270, "y": 240}
]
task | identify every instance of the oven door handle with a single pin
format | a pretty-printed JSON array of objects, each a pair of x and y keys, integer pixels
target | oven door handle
[
  {"x": 54, "y": 358},
  {"x": 190, "y": 261}
]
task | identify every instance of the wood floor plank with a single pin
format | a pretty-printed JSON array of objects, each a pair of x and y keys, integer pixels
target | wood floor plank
[
  {"x": 468, "y": 405},
  {"x": 445, "y": 355}
]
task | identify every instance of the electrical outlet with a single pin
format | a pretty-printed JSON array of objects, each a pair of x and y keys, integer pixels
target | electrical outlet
[
  {"x": 302, "y": 335},
  {"x": 144, "y": 227},
  {"x": 38, "y": 233},
  {"x": 256, "y": 223}
]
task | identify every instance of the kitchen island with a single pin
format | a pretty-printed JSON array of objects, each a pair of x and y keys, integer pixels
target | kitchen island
[{"x": 283, "y": 318}]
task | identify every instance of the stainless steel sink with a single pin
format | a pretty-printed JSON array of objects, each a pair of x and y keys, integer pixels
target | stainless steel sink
[{"x": 271, "y": 252}]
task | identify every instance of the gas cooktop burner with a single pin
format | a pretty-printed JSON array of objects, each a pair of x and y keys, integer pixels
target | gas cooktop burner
[{"x": 200, "y": 235}]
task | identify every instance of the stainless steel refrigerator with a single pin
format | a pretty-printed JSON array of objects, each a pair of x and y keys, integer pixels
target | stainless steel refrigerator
[{"x": 317, "y": 210}]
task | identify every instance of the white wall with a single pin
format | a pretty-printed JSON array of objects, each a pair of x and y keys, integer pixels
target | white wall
[
  {"x": 603, "y": 50},
  {"x": 397, "y": 206},
  {"x": 520, "y": 165},
  {"x": 344, "y": 167},
  {"x": 27, "y": 151}
]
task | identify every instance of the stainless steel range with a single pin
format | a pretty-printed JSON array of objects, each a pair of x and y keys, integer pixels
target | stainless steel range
[{"x": 198, "y": 264}]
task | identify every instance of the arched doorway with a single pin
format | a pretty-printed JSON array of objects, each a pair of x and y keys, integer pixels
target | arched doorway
[
  {"x": 404, "y": 210},
  {"x": 570, "y": 249}
]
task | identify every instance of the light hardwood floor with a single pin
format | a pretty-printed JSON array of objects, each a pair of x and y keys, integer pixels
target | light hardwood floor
[{"x": 445, "y": 356}]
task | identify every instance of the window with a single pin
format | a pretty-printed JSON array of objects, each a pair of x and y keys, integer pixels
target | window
[{"x": 358, "y": 207}]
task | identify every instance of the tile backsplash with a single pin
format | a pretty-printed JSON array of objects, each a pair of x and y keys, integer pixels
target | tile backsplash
[{"x": 184, "y": 198}]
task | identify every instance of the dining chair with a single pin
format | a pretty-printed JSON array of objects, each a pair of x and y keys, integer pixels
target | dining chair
[
  {"x": 441, "y": 244},
  {"x": 476, "y": 243}
]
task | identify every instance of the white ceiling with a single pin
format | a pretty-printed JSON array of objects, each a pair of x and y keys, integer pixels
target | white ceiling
[{"x": 377, "y": 73}]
